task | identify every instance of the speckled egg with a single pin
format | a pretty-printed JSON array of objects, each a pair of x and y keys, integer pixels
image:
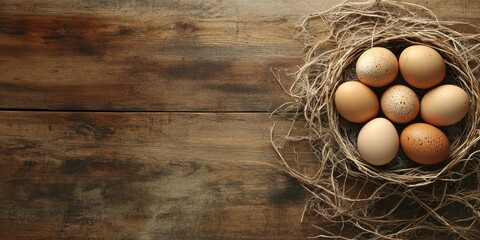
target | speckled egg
[
  {"x": 444, "y": 105},
  {"x": 424, "y": 144},
  {"x": 400, "y": 104},
  {"x": 377, "y": 67},
  {"x": 378, "y": 142},
  {"x": 421, "y": 66},
  {"x": 356, "y": 102}
]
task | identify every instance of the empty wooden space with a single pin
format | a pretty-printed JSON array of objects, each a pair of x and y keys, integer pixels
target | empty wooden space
[{"x": 149, "y": 119}]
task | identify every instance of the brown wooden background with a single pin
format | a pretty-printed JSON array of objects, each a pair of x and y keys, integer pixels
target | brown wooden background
[{"x": 148, "y": 119}]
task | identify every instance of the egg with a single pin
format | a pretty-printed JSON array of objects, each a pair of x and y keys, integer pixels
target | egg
[
  {"x": 400, "y": 104},
  {"x": 377, "y": 67},
  {"x": 378, "y": 142},
  {"x": 421, "y": 66},
  {"x": 424, "y": 144},
  {"x": 444, "y": 105},
  {"x": 356, "y": 102}
]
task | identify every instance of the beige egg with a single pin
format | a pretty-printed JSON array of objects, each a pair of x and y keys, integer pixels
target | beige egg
[
  {"x": 356, "y": 102},
  {"x": 444, "y": 105},
  {"x": 424, "y": 144},
  {"x": 421, "y": 66},
  {"x": 378, "y": 142},
  {"x": 377, "y": 67},
  {"x": 400, "y": 104}
]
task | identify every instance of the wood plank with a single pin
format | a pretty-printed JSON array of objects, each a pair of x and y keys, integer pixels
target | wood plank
[
  {"x": 144, "y": 55},
  {"x": 144, "y": 61},
  {"x": 145, "y": 176}
]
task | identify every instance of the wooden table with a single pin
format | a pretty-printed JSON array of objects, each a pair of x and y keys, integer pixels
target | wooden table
[{"x": 149, "y": 119}]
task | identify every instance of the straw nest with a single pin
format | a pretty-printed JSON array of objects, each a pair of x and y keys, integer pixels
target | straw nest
[{"x": 401, "y": 200}]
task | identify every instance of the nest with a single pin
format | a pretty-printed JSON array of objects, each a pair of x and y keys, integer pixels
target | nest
[{"x": 351, "y": 199}]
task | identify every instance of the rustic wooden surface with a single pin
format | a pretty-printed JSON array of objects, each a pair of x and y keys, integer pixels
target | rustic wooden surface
[{"x": 149, "y": 119}]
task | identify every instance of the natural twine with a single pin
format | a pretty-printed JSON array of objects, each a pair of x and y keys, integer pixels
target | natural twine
[{"x": 352, "y": 199}]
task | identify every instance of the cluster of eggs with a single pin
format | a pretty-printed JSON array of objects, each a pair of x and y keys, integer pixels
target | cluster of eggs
[{"x": 422, "y": 68}]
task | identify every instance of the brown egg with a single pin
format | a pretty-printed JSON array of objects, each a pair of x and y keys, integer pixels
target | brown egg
[
  {"x": 424, "y": 144},
  {"x": 377, "y": 67},
  {"x": 400, "y": 104},
  {"x": 444, "y": 105},
  {"x": 421, "y": 66},
  {"x": 356, "y": 102}
]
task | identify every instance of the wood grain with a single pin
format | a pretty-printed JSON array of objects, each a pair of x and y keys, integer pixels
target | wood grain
[
  {"x": 144, "y": 176},
  {"x": 144, "y": 61},
  {"x": 187, "y": 155},
  {"x": 144, "y": 55}
]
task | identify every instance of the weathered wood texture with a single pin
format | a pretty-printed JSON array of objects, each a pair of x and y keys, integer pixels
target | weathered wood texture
[
  {"x": 91, "y": 175},
  {"x": 144, "y": 55},
  {"x": 144, "y": 176}
]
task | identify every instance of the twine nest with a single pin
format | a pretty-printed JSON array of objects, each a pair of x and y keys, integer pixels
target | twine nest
[{"x": 402, "y": 200}]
